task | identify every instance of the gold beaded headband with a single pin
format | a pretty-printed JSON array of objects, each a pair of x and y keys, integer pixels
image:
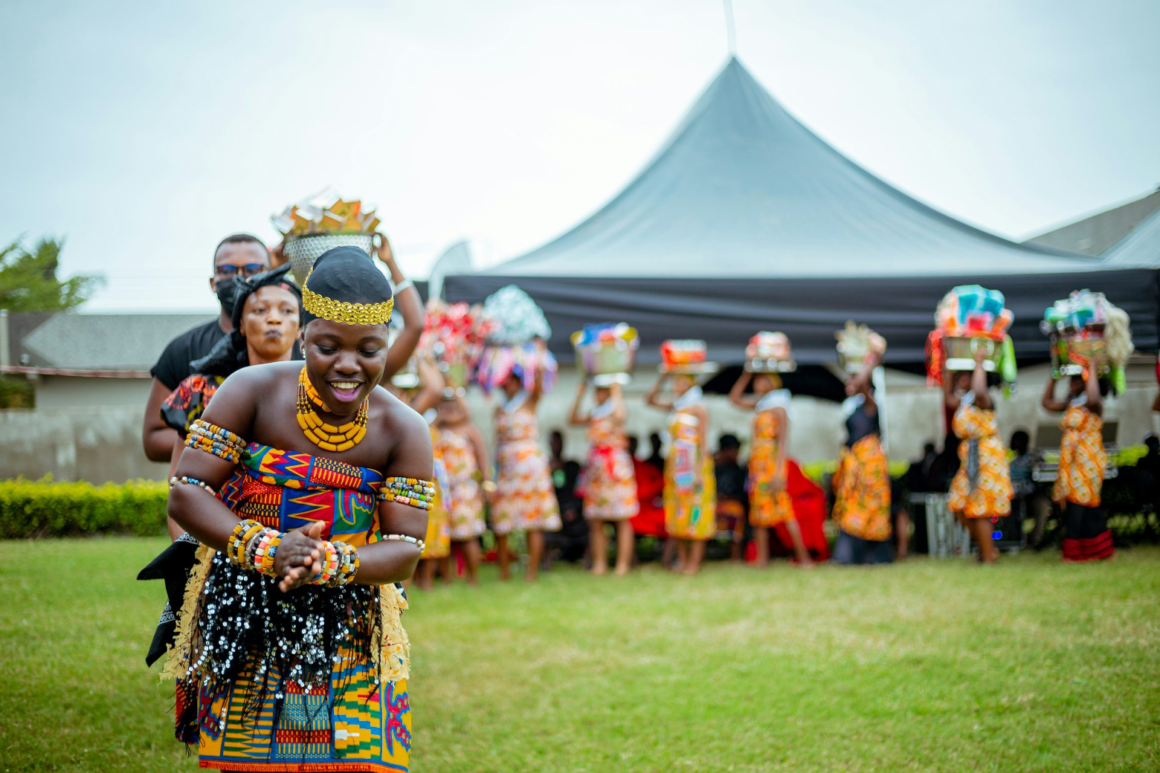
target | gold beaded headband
[{"x": 346, "y": 313}]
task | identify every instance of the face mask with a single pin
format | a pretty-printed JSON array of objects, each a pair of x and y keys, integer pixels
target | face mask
[{"x": 227, "y": 294}]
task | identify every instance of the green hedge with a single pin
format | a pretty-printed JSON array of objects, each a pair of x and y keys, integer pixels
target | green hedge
[{"x": 47, "y": 508}]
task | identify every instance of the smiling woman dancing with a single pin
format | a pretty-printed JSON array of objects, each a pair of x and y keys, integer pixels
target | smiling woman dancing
[{"x": 290, "y": 655}]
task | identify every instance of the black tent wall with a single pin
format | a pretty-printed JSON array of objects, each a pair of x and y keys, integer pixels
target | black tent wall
[{"x": 726, "y": 312}]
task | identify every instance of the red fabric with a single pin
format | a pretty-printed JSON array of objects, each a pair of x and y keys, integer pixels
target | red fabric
[
  {"x": 1091, "y": 549},
  {"x": 650, "y": 487},
  {"x": 809, "y": 508}
]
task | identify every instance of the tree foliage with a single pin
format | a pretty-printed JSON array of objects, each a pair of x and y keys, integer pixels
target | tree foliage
[{"x": 28, "y": 281}]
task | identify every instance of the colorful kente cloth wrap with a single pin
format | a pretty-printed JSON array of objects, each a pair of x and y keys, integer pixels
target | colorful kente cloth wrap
[
  {"x": 466, "y": 511},
  {"x": 982, "y": 486},
  {"x": 437, "y": 543},
  {"x": 862, "y": 490},
  {"x": 608, "y": 479},
  {"x": 258, "y": 720},
  {"x": 1082, "y": 459},
  {"x": 767, "y": 507},
  {"x": 524, "y": 497},
  {"x": 188, "y": 402},
  {"x": 690, "y": 486}
]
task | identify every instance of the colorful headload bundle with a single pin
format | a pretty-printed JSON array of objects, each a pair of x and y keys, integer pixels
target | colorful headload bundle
[
  {"x": 455, "y": 334},
  {"x": 857, "y": 343},
  {"x": 968, "y": 318},
  {"x": 1087, "y": 330},
  {"x": 769, "y": 353},
  {"x": 515, "y": 341},
  {"x": 322, "y": 222},
  {"x": 606, "y": 352},
  {"x": 686, "y": 356}
]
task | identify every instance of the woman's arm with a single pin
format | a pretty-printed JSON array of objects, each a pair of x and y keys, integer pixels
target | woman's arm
[
  {"x": 979, "y": 382},
  {"x": 950, "y": 399},
  {"x": 737, "y": 393},
  {"x": 782, "y": 448},
  {"x": 433, "y": 383},
  {"x": 407, "y": 304},
  {"x": 1048, "y": 401},
  {"x": 703, "y": 423},
  {"x": 653, "y": 397},
  {"x": 619, "y": 409},
  {"x": 1095, "y": 401},
  {"x": 575, "y": 418},
  {"x": 390, "y": 560}
]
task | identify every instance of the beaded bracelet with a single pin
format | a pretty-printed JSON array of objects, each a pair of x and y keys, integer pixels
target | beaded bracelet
[
  {"x": 348, "y": 564},
  {"x": 408, "y": 491},
  {"x": 192, "y": 482},
  {"x": 252, "y": 546},
  {"x": 215, "y": 440},
  {"x": 407, "y": 538}
]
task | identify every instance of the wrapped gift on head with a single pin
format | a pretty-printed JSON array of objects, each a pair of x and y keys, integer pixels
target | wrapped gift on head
[
  {"x": 969, "y": 318},
  {"x": 769, "y": 353},
  {"x": 856, "y": 343},
  {"x": 606, "y": 352},
  {"x": 516, "y": 328},
  {"x": 1085, "y": 330},
  {"x": 454, "y": 333},
  {"x": 322, "y": 222},
  {"x": 686, "y": 356}
]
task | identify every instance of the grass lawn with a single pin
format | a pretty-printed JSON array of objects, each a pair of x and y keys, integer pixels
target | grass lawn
[{"x": 1031, "y": 665}]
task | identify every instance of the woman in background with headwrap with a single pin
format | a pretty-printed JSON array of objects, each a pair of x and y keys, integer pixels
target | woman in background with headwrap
[
  {"x": 981, "y": 491},
  {"x": 769, "y": 499},
  {"x": 862, "y": 480},
  {"x": 608, "y": 480},
  {"x": 524, "y": 497},
  {"x": 464, "y": 453},
  {"x": 308, "y": 488},
  {"x": 690, "y": 487},
  {"x": 1082, "y": 462}
]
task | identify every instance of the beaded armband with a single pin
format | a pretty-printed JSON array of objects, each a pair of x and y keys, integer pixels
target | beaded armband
[
  {"x": 215, "y": 440},
  {"x": 408, "y": 491},
  {"x": 406, "y": 538},
  {"x": 192, "y": 482}
]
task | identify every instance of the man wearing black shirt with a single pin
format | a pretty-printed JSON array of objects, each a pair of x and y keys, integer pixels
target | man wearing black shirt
[{"x": 239, "y": 254}]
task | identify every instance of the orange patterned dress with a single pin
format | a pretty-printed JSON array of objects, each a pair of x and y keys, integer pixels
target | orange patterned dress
[
  {"x": 767, "y": 507},
  {"x": 466, "y": 493},
  {"x": 609, "y": 479},
  {"x": 524, "y": 496},
  {"x": 862, "y": 490},
  {"x": 1082, "y": 458},
  {"x": 437, "y": 543},
  {"x": 690, "y": 498},
  {"x": 982, "y": 486}
]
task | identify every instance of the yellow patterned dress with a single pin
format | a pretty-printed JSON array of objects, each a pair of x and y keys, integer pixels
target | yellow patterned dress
[
  {"x": 524, "y": 496},
  {"x": 862, "y": 490},
  {"x": 609, "y": 480},
  {"x": 1082, "y": 458},
  {"x": 982, "y": 486},
  {"x": 690, "y": 486},
  {"x": 438, "y": 541},
  {"x": 466, "y": 494},
  {"x": 767, "y": 507}
]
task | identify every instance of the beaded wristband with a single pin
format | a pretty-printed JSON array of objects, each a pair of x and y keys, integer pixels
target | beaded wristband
[
  {"x": 192, "y": 482},
  {"x": 406, "y": 538},
  {"x": 348, "y": 564},
  {"x": 408, "y": 491},
  {"x": 252, "y": 546}
]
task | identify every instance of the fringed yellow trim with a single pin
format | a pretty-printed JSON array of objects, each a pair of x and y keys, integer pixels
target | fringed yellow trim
[
  {"x": 392, "y": 645},
  {"x": 180, "y": 653}
]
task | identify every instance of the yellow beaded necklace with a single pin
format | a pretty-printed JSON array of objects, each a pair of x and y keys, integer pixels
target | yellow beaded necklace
[{"x": 327, "y": 436}]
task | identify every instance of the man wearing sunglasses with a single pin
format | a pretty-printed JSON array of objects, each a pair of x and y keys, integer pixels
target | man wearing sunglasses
[{"x": 236, "y": 255}]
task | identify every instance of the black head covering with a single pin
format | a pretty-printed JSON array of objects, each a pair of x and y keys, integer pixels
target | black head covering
[
  {"x": 229, "y": 354},
  {"x": 347, "y": 275}
]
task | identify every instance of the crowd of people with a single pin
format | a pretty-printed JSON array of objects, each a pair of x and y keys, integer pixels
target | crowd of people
[{"x": 303, "y": 497}]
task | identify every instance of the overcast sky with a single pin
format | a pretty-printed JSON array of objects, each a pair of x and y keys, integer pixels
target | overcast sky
[{"x": 143, "y": 132}]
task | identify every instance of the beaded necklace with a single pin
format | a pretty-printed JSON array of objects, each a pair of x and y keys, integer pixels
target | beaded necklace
[{"x": 327, "y": 436}]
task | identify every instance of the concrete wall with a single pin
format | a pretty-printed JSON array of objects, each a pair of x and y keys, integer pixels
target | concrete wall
[
  {"x": 96, "y": 444},
  {"x": 55, "y": 393}
]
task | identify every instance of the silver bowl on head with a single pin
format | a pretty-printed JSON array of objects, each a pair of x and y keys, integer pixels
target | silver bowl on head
[{"x": 304, "y": 249}]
